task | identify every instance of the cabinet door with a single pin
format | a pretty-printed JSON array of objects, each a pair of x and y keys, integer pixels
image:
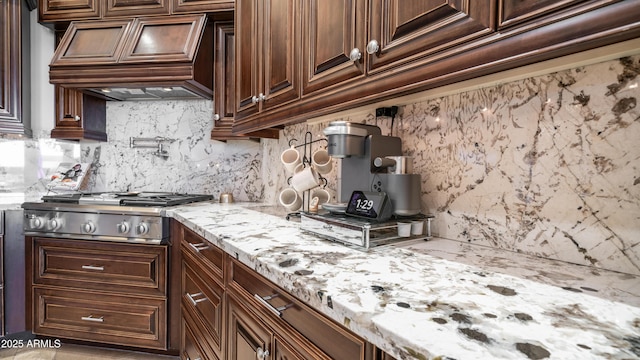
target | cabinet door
[
  {"x": 281, "y": 39},
  {"x": 247, "y": 57},
  {"x": 516, "y": 11},
  {"x": 14, "y": 68},
  {"x": 332, "y": 29},
  {"x": 408, "y": 30},
  {"x": 224, "y": 93},
  {"x": 136, "y": 8},
  {"x": 68, "y": 10},
  {"x": 249, "y": 338},
  {"x": 200, "y": 6},
  {"x": 79, "y": 116},
  {"x": 267, "y": 54}
]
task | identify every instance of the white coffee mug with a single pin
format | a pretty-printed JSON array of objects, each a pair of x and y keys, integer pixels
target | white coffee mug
[
  {"x": 323, "y": 195},
  {"x": 298, "y": 168},
  {"x": 290, "y": 158},
  {"x": 305, "y": 180},
  {"x": 290, "y": 199},
  {"x": 322, "y": 161}
]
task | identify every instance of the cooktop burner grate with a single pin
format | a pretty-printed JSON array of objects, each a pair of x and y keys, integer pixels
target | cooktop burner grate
[{"x": 127, "y": 199}]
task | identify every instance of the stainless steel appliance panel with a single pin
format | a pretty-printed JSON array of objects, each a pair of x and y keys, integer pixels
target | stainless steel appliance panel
[
  {"x": 14, "y": 271},
  {"x": 98, "y": 226}
]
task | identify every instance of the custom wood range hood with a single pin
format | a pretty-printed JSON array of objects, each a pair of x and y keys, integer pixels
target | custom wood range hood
[{"x": 148, "y": 58}]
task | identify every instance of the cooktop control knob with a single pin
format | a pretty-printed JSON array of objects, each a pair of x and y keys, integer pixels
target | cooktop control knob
[
  {"x": 123, "y": 227},
  {"x": 55, "y": 224},
  {"x": 37, "y": 222},
  {"x": 142, "y": 228},
  {"x": 89, "y": 227}
]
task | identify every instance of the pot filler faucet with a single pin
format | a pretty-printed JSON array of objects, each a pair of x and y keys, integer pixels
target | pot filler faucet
[{"x": 363, "y": 167}]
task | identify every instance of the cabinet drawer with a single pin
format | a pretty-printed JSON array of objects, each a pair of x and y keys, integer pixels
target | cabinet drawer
[
  {"x": 194, "y": 344},
  {"x": 122, "y": 320},
  {"x": 204, "y": 301},
  {"x": 134, "y": 269},
  {"x": 330, "y": 337},
  {"x": 205, "y": 252}
]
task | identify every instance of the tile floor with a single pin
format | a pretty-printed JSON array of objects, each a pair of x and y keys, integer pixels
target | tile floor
[{"x": 78, "y": 352}]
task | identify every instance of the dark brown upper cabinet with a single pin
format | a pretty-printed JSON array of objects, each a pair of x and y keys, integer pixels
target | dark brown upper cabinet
[
  {"x": 78, "y": 116},
  {"x": 224, "y": 92},
  {"x": 513, "y": 12},
  {"x": 200, "y": 6},
  {"x": 58, "y": 13},
  {"x": 334, "y": 36},
  {"x": 14, "y": 69},
  {"x": 425, "y": 44},
  {"x": 267, "y": 54},
  {"x": 338, "y": 45},
  {"x": 120, "y": 8},
  {"x": 401, "y": 32},
  {"x": 69, "y": 10}
]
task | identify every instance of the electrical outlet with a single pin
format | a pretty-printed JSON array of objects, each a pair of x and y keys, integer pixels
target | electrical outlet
[{"x": 390, "y": 111}]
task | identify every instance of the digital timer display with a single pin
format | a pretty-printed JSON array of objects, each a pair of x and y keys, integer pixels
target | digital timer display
[{"x": 369, "y": 205}]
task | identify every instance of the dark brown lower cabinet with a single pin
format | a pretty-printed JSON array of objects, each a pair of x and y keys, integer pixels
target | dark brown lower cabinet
[
  {"x": 203, "y": 304},
  {"x": 108, "y": 293},
  {"x": 231, "y": 312}
]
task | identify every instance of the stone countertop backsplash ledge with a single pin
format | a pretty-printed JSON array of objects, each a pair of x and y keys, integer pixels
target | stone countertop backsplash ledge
[{"x": 436, "y": 299}]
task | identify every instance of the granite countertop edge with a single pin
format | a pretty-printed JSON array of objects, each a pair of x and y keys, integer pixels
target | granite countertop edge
[{"x": 416, "y": 306}]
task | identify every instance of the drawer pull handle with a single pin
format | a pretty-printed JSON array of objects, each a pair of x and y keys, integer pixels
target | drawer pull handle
[
  {"x": 91, "y": 318},
  {"x": 199, "y": 247},
  {"x": 92, "y": 267},
  {"x": 276, "y": 310},
  {"x": 194, "y": 301}
]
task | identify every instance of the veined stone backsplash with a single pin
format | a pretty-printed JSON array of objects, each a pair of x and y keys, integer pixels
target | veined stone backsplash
[
  {"x": 548, "y": 165},
  {"x": 194, "y": 163}
]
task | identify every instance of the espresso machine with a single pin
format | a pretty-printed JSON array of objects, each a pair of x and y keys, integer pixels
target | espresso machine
[
  {"x": 371, "y": 167},
  {"x": 373, "y": 162}
]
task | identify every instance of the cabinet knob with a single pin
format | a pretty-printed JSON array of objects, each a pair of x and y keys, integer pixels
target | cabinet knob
[
  {"x": 216, "y": 117},
  {"x": 76, "y": 118},
  {"x": 355, "y": 55},
  {"x": 373, "y": 47},
  {"x": 261, "y": 354},
  {"x": 257, "y": 99}
]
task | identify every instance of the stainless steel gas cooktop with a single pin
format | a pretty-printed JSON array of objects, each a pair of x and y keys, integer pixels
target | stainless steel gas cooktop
[{"x": 111, "y": 216}]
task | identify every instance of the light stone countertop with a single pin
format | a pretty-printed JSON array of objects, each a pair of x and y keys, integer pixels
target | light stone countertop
[{"x": 438, "y": 298}]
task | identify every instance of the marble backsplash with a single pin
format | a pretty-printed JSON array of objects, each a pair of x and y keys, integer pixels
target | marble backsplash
[
  {"x": 547, "y": 165},
  {"x": 194, "y": 163}
]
